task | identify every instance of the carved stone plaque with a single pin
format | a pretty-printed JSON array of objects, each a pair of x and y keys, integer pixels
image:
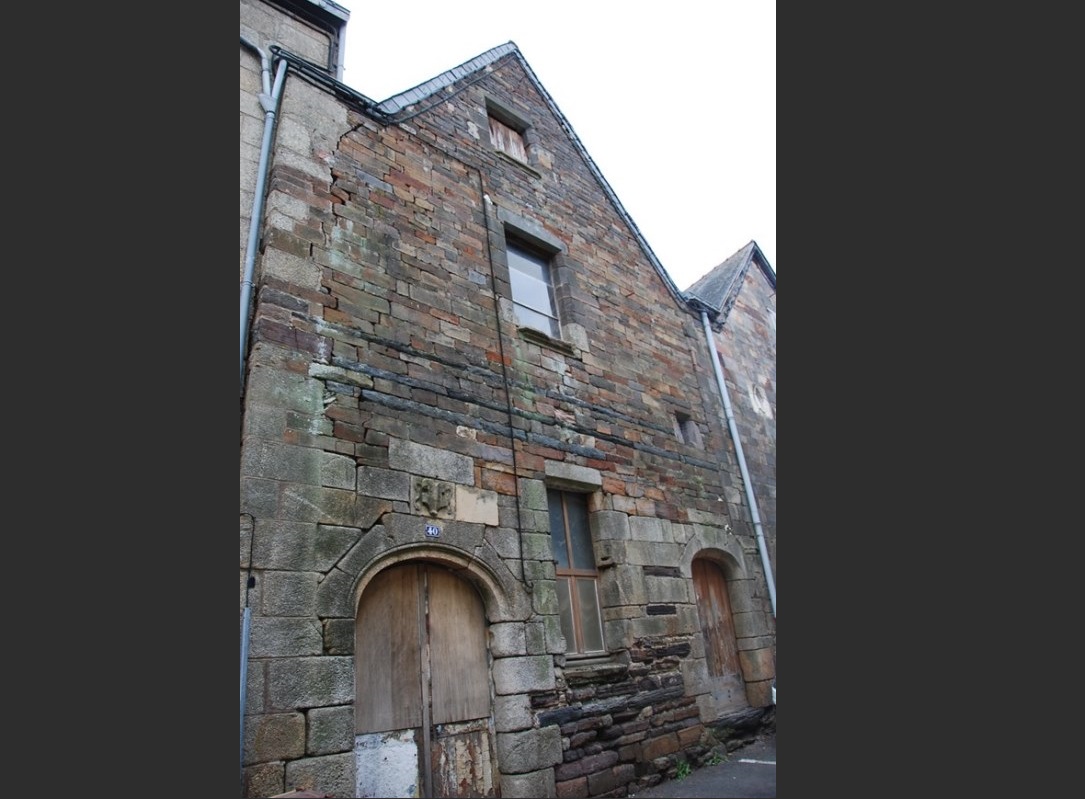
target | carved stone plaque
[{"x": 433, "y": 498}]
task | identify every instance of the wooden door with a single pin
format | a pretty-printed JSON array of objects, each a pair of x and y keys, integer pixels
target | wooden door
[
  {"x": 422, "y": 712},
  {"x": 717, "y": 627}
]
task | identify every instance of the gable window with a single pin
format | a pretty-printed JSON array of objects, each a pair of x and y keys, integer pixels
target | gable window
[
  {"x": 577, "y": 579},
  {"x": 507, "y": 139},
  {"x": 532, "y": 289}
]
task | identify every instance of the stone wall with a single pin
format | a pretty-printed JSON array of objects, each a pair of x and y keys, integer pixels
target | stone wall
[
  {"x": 747, "y": 344},
  {"x": 389, "y": 389}
]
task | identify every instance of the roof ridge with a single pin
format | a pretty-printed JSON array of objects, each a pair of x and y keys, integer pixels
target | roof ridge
[{"x": 398, "y": 102}]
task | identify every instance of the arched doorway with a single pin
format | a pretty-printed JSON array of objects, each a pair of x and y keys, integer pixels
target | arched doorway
[
  {"x": 717, "y": 627},
  {"x": 423, "y": 722}
]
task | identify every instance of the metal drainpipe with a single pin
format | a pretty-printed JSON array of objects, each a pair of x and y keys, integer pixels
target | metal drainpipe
[
  {"x": 751, "y": 500},
  {"x": 269, "y": 100},
  {"x": 244, "y": 675}
]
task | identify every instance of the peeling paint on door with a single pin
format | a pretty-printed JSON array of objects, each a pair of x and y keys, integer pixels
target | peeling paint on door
[{"x": 462, "y": 760}]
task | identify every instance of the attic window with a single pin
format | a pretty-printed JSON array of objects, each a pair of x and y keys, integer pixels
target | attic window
[
  {"x": 508, "y": 130},
  {"x": 507, "y": 139},
  {"x": 686, "y": 430}
]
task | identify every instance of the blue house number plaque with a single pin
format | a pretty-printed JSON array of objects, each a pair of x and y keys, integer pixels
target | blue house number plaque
[{"x": 432, "y": 530}]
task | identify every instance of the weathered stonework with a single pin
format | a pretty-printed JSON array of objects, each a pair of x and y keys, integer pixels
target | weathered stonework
[
  {"x": 531, "y": 750},
  {"x": 331, "y": 730},
  {"x": 280, "y": 736},
  {"x": 533, "y": 785},
  {"x": 518, "y": 675},
  {"x": 395, "y": 413},
  {"x": 330, "y": 774}
]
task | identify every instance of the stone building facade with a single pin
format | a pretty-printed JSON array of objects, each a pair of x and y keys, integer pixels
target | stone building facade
[
  {"x": 494, "y": 537},
  {"x": 739, "y": 295}
]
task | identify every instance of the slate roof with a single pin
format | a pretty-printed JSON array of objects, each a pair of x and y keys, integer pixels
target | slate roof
[
  {"x": 719, "y": 289},
  {"x": 315, "y": 8},
  {"x": 398, "y": 102}
]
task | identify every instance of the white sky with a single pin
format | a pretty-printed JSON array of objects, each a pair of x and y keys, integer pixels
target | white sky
[{"x": 674, "y": 101}]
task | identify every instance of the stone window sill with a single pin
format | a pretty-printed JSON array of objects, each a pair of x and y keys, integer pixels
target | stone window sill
[
  {"x": 540, "y": 338},
  {"x": 592, "y": 670},
  {"x": 517, "y": 162}
]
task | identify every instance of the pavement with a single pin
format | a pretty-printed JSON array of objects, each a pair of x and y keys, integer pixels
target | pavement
[{"x": 747, "y": 773}]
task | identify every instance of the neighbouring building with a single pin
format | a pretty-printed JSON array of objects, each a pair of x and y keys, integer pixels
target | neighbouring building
[
  {"x": 739, "y": 297},
  {"x": 495, "y": 535}
]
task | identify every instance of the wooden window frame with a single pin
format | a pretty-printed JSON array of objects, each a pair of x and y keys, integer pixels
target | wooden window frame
[
  {"x": 573, "y": 572},
  {"x": 515, "y": 247}
]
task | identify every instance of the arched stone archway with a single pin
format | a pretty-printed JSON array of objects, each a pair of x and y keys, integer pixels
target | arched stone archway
[{"x": 504, "y": 598}]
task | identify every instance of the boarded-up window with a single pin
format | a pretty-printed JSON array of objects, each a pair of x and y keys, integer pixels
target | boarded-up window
[{"x": 507, "y": 140}]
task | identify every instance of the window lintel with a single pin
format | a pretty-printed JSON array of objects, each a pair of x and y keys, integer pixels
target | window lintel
[
  {"x": 529, "y": 231},
  {"x": 571, "y": 477},
  {"x": 506, "y": 116}
]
